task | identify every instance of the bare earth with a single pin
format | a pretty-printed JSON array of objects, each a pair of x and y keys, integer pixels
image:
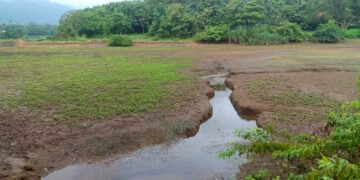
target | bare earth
[{"x": 290, "y": 87}]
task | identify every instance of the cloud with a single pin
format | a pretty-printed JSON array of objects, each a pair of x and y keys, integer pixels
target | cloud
[{"x": 84, "y": 3}]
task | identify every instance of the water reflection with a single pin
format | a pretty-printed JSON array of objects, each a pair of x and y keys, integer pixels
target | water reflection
[{"x": 192, "y": 158}]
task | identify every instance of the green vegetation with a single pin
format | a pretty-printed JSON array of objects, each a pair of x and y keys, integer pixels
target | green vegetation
[
  {"x": 352, "y": 34},
  {"x": 212, "y": 34},
  {"x": 305, "y": 116},
  {"x": 258, "y": 34},
  {"x": 262, "y": 89},
  {"x": 13, "y": 31},
  {"x": 291, "y": 31},
  {"x": 120, "y": 40},
  {"x": 72, "y": 85},
  {"x": 329, "y": 33},
  {"x": 279, "y": 21},
  {"x": 307, "y": 156}
]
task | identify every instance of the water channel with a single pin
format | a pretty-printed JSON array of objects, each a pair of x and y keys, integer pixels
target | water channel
[{"x": 191, "y": 158}]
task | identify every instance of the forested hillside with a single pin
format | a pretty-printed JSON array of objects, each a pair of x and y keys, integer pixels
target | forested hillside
[
  {"x": 30, "y": 11},
  {"x": 13, "y": 31},
  {"x": 217, "y": 20}
]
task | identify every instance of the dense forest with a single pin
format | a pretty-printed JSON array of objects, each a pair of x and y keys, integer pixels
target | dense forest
[
  {"x": 243, "y": 21},
  {"x": 12, "y": 31}
]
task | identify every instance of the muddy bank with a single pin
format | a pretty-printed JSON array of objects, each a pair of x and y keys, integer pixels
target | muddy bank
[
  {"x": 297, "y": 102},
  {"x": 31, "y": 148},
  {"x": 291, "y": 102},
  {"x": 189, "y": 158}
]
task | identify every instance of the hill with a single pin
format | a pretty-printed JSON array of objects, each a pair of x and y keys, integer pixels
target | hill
[{"x": 27, "y": 11}]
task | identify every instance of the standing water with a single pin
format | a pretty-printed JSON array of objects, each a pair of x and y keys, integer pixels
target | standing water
[{"x": 192, "y": 158}]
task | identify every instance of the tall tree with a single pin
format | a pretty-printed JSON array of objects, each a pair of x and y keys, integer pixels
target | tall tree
[
  {"x": 72, "y": 23},
  {"x": 345, "y": 12},
  {"x": 14, "y": 31},
  {"x": 251, "y": 13}
]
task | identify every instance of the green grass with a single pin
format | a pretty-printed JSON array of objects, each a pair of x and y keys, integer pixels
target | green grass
[
  {"x": 80, "y": 86},
  {"x": 352, "y": 34},
  {"x": 148, "y": 38},
  {"x": 302, "y": 117},
  {"x": 286, "y": 95}
]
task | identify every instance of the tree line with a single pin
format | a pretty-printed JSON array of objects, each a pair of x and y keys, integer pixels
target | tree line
[
  {"x": 213, "y": 20},
  {"x": 13, "y": 31}
]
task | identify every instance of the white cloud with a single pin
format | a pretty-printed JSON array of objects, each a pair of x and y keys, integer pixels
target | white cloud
[{"x": 83, "y": 3}]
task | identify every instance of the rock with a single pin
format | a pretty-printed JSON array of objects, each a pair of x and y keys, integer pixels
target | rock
[
  {"x": 3, "y": 175},
  {"x": 17, "y": 165},
  {"x": 31, "y": 155},
  {"x": 28, "y": 168}
]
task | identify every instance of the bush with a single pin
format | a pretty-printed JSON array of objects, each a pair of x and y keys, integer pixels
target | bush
[
  {"x": 329, "y": 33},
  {"x": 308, "y": 35},
  {"x": 266, "y": 38},
  {"x": 291, "y": 31},
  {"x": 352, "y": 33},
  {"x": 213, "y": 34},
  {"x": 120, "y": 40},
  {"x": 336, "y": 155},
  {"x": 257, "y": 35}
]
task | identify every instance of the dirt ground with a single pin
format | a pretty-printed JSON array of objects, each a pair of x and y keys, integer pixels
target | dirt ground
[{"x": 290, "y": 87}]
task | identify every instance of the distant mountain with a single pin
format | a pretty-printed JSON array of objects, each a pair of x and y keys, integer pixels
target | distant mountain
[{"x": 28, "y": 11}]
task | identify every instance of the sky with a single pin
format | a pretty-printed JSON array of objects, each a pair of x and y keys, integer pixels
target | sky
[{"x": 83, "y": 3}]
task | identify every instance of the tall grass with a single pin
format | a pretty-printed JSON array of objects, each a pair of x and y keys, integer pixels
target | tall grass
[{"x": 257, "y": 35}]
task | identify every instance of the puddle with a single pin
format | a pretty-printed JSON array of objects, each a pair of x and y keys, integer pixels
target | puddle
[{"x": 192, "y": 158}]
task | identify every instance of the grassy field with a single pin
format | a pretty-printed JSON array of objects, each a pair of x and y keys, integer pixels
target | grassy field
[
  {"x": 75, "y": 84},
  {"x": 90, "y": 101},
  {"x": 272, "y": 89}
]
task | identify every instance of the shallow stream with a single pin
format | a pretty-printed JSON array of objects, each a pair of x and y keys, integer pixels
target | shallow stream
[{"x": 191, "y": 158}]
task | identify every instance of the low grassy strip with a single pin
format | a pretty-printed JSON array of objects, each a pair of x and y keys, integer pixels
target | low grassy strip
[
  {"x": 75, "y": 87},
  {"x": 285, "y": 94}
]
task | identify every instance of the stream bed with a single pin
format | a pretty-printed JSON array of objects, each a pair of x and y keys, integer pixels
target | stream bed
[{"x": 191, "y": 158}]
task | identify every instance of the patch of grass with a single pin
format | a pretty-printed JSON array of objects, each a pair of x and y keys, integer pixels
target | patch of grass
[
  {"x": 286, "y": 95},
  {"x": 303, "y": 116},
  {"x": 76, "y": 87},
  {"x": 257, "y": 86},
  {"x": 148, "y": 38},
  {"x": 352, "y": 33},
  {"x": 295, "y": 98}
]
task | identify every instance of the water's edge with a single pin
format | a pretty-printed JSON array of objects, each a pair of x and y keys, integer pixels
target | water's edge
[{"x": 191, "y": 158}]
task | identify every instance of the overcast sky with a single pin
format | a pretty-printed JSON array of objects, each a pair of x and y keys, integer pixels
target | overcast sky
[{"x": 83, "y": 3}]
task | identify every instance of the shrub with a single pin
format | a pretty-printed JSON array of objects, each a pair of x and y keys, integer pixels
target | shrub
[
  {"x": 257, "y": 35},
  {"x": 213, "y": 34},
  {"x": 337, "y": 154},
  {"x": 308, "y": 35},
  {"x": 291, "y": 31},
  {"x": 266, "y": 38},
  {"x": 120, "y": 40},
  {"x": 61, "y": 37},
  {"x": 329, "y": 33},
  {"x": 352, "y": 33}
]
